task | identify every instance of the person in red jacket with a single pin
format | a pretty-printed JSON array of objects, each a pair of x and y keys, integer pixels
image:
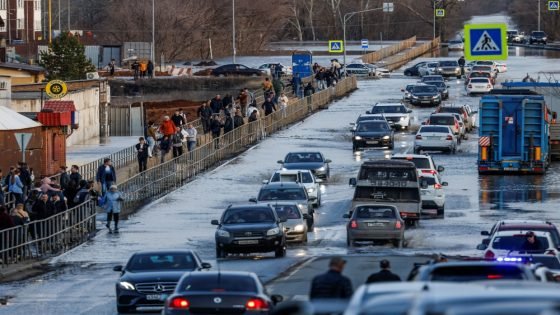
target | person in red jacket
[{"x": 167, "y": 127}]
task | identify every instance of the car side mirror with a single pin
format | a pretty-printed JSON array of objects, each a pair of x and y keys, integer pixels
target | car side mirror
[
  {"x": 276, "y": 298},
  {"x": 206, "y": 265},
  {"x": 424, "y": 123},
  {"x": 481, "y": 247},
  {"x": 328, "y": 161},
  {"x": 280, "y": 162},
  {"x": 253, "y": 200},
  {"x": 265, "y": 181},
  {"x": 402, "y": 90},
  {"x": 444, "y": 184},
  {"x": 318, "y": 180},
  {"x": 485, "y": 233},
  {"x": 352, "y": 182},
  {"x": 118, "y": 268},
  {"x": 448, "y": 86},
  {"x": 440, "y": 168},
  {"x": 215, "y": 222}
]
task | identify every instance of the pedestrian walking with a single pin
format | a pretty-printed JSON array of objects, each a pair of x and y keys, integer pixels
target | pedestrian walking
[
  {"x": 268, "y": 107},
  {"x": 205, "y": 113},
  {"x": 135, "y": 69},
  {"x": 142, "y": 154},
  {"x": 16, "y": 186},
  {"x": 167, "y": 127},
  {"x": 216, "y": 127},
  {"x": 151, "y": 138},
  {"x": 267, "y": 85},
  {"x": 278, "y": 87},
  {"x": 335, "y": 68},
  {"x": 216, "y": 104},
  {"x": 283, "y": 102},
  {"x": 308, "y": 90},
  {"x": 461, "y": 63},
  {"x": 47, "y": 187},
  {"x": 143, "y": 68},
  {"x": 64, "y": 178},
  {"x": 112, "y": 206},
  {"x": 177, "y": 142},
  {"x": 191, "y": 137},
  {"x": 150, "y": 69},
  {"x": 332, "y": 284},
  {"x": 164, "y": 147},
  {"x": 238, "y": 119},
  {"x": 385, "y": 275},
  {"x": 106, "y": 175},
  {"x": 178, "y": 119},
  {"x": 296, "y": 85},
  {"x": 228, "y": 124},
  {"x": 59, "y": 205},
  {"x": 243, "y": 99}
]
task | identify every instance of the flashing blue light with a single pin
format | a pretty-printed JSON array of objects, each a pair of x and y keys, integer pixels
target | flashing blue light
[{"x": 510, "y": 259}]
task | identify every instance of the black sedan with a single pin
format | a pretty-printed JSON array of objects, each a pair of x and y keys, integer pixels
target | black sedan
[
  {"x": 313, "y": 161},
  {"x": 413, "y": 71},
  {"x": 442, "y": 88},
  {"x": 425, "y": 95},
  {"x": 373, "y": 133},
  {"x": 221, "y": 292},
  {"x": 250, "y": 229},
  {"x": 236, "y": 69},
  {"x": 149, "y": 277}
]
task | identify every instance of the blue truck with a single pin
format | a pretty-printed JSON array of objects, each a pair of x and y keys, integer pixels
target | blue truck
[{"x": 514, "y": 132}]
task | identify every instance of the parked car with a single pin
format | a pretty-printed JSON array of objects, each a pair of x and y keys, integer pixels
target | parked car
[
  {"x": 449, "y": 68},
  {"x": 150, "y": 275},
  {"x": 295, "y": 226},
  {"x": 359, "y": 69},
  {"x": 249, "y": 229},
  {"x": 287, "y": 192},
  {"x": 236, "y": 69},
  {"x": 455, "y": 44},
  {"x": 538, "y": 37},
  {"x": 423, "y": 94},
  {"x": 220, "y": 292},
  {"x": 266, "y": 68},
  {"x": 413, "y": 71},
  {"x": 511, "y": 35},
  {"x": 375, "y": 222},
  {"x": 396, "y": 113},
  {"x": 304, "y": 177},
  {"x": 479, "y": 86},
  {"x": 433, "y": 195},
  {"x": 445, "y": 119},
  {"x": 442, "y": 88},
  {"x": 313, "y": 161},
  {"x": 435, "y": 138},
  {"x": 373, "y": 133},
  {"x": 428, "y": 68}
]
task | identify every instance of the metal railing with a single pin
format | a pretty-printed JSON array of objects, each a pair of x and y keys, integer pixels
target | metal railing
[
  {"x": 396, "y": 61},
  {"x": 385, "y": 52},
  {"x": 40, "y": 239},
  {"x": 169, "y": 176}
]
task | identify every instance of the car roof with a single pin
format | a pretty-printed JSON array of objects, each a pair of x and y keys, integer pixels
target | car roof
[
  {"x": 388, "y": 104},
  {"x": 164, "y": 251},
  {"x": 542, "y": 226},
  {"x": 375, "y": 205},
  {"x": 388, "y": 163},
  {"x": 524, "y": 222},
  {"x": 520, "y": 232},
  {"x": 304, "y": 152},
  {"x": 413, "y": 156},
  {"x": 282, "y": 185},
  {"x": 291, "y": 172},
  {"x": 443, "y": 114},
  {"x": 428, "y": 126},
  {"x": 220, "y": 273}
]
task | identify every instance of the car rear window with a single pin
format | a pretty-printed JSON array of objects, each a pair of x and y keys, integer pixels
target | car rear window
[
  {"x": 254, "y": 215},
  {"x": 303, "y": 157},
  {"x": 368, "y": 212},
  {"x": 287, "y": 211},
  {"x": 428, "y": 180},
  {"x": 476, "y": 273},
  {"x": 436, "y": 129},
  {"x": 482, "y": 68},
  {"x": 218, "y": 283},
  {"x": 516, "y": 242},
  {"x": 446, "y": 109},
  {"x": 271, "y": 194},
  {"x": 479, "y": 80},
  {"x": 442, "y": 120},
  {"x": 418, "y": 162},
  {"x": 284, "y": 178},
  {"x": 171, "y": 261}
]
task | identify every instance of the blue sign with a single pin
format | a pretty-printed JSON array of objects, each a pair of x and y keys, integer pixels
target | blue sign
[
  {"x": 553, "y": 5},
  {"x": 485, "y": 41},
  {"x": 365, "y": 44},
  {"x": 302, "y": 63}
]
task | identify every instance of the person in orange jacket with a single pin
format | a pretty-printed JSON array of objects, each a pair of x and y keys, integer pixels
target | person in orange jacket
[{"x": 167, "y": 127}]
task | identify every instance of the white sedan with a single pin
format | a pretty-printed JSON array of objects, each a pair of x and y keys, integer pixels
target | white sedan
[
  {"x": 429, "y": 68},
  {"x": 501, "y": 67},
  {"x": 432, "y": 193},
  {"x": 479, "y": 85},
  {"x": 435, "y": 138},
  {"x": 304, "y": 177}
]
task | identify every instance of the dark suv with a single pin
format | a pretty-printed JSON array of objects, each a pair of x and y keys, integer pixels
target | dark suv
[
  {"x": 250, "y": 229},
  {"x": 538, "y": 37}
]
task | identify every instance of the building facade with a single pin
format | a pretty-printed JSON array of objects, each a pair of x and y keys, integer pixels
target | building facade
[{"x": 22, "y": 21}]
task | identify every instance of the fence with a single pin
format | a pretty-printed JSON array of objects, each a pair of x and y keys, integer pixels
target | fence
[
  {"x": 385, "y": 52},
  {"x": 398, "y": 60},
  {"x": 166, "y": 177},
  {"x": 44, "y": 238}
]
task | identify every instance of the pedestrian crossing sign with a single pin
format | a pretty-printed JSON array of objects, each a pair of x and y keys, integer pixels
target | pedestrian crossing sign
[
  {"x": 486, "y": 41},
  {"x": 336, "y": 46},
  {"x": 440, "y": 12},
  {"x": 553, "y": 5}
]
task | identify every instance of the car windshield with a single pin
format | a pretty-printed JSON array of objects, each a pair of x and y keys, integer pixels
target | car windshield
[
  {"x": 538, "y": 34},
  {"x": 368, "y": 117},
  {"x": 418, "y": 162},
  {"x": 217, "y": 283},
  {"x": 476, "y": 273},
  {"x": 374, "y": 173},
  {"x": 428, "y": 180},
  {"x": 409, "y": 87},
  {"x": 387, "y": 194},
  {"x": 438, "y": 84},
  {"x": 256, "y": 215},
  {"x": 356, "y": 66},
  {"x": 277, "y": 177},
  {"x": 373, "y": 212},
  {"x": 435, "y": 129},
  {"x": 303, "y": 157},
  {"x": 432, "y": 65},
  {"x": 171, "y": 261},
  {"x": 480, "y": 75},
  {"x": 448, "y": 63},
  {"x": 366, "y": 126},
  {"x": 306, "y": 177},
  {"x": 425, "y": 89},
  {"x": 442, "y": 120},
  {"x": 398, "y": 109},
  {"x": 287, "y": 212},
  {"x": 271, "y": 194},
  {"x": 518, "y": 242},
  {"x": 455, "y": 42},
  {"x": 479, "y": 81}
]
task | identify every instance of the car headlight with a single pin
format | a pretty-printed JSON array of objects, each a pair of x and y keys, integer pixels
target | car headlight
[
  {"x": 435, "y": 96},
  {"x": 440, "y": 69},
  {"x": 403, "y": 118},
  {"x": 322, "y": 168},
  {"x": 310, "y": 190},
  {"x": 299, "y": 228},
  {"x": 457, "y": 69},
  {"x": 223, "y": 233},
  {"x": 358, "y": 138},
  {"x": 302, "y": 207},
  {"x": 273, "y": 231},
  {"x": 126, "y": 286},
  {"x": 386, "y": 137},
  {"x": 414, "y": 97},
  {"x": 544, "y": 38}
]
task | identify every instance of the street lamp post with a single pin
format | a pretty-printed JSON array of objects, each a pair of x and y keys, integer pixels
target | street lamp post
[
  {"x": 539, "y": 16},
  {"x": 233, "y": 29},
  {"x": 345, "y": 19},
  {"x": 153, "y": 50}
]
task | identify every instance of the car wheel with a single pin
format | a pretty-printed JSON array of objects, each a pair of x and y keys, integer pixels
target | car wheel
[
  {"x": 458, "y": 77},
  {"x": 398, "y": 243},
  {"x": 220, "y": 253},
  {"x": 280, "y": 252},
  {"x": 125, "y": 309},
  {"x": 354, "y": 148},
  {"x": 454, "y": 150},
  {"x": 407, "y": 73},
  {"x": 304, "y": 242},
  {"x": 318, "y": 200},
  {"x": 441, "y": 212},
  {"x": 310, "y": 223},
  {"x": 349, "y": 241}
]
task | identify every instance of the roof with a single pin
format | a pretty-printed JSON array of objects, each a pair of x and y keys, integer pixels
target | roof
[
  {"x": 525, "y": 227},
  {"x": 11, "y": 120},
  {"x": 60, "y": 106},
  {"x": 388, "y": 163},
  {"x": 22, "y": 67},
  {"x": 282, "y": 185}
]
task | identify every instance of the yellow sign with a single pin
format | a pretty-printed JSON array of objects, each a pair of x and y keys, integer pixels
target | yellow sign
[
  {"x": 440, "y": 12},
  {"x": 56, "y": 89},
  {"x": 336, "y": 46}
]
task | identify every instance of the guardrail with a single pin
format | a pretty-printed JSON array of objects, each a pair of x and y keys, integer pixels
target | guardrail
[
  {"x": 167, "y": 177},
  {"x": 41, "y": 239},
  {"x": 396, "y": 61},
  {"x": 385, "y": 52}
]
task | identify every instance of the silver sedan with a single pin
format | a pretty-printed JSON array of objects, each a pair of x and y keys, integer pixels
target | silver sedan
[{"x": 375, "y": 222}]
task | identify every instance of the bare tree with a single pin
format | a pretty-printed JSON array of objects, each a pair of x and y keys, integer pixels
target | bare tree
[
  {"x": 294, "y": 19},
  {"x": 310, "y": 6}
]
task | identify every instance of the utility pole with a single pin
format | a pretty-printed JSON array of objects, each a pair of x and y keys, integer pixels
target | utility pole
[
  {"x": 153, "y": 51},
  {"x": 68, "y": 5},
  {"x": 233, "y": 35},
  {"x": 59, "y": 17},
  {"x": 539, "y": 15},
  {"x": 434, "y": 21},
  {"x": 50, "y": 21}
]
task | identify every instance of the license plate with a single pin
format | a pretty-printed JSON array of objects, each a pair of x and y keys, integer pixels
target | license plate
[
  {"x": 247, "y": 242},
  {"x": 425, "y": 102},
  {"x": 372, "y": 142},
  {"x": 153, "y": 297},
  {"x": 510, "y": 169},
  {"x": 376, "y": 224}
]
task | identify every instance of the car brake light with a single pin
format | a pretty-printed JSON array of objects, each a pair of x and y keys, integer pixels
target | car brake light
[
  {"x": 179, "y": 303},
  {"x": 489, "y": 254},
  {"x": 418, "y": 137},
  {"x": 256, "y": 304},
  {"x": 437, "y": 186},
  {"x": 353, "y": 224},
  {"x": 470, "y": 86},
  {"x": 449, "y": 137},
  {"x": 429, "y": 172},
  {"x": 398, "y": 225},
  {"x": 456, "y": 124},
  {"x": 494, "y": 277}
]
